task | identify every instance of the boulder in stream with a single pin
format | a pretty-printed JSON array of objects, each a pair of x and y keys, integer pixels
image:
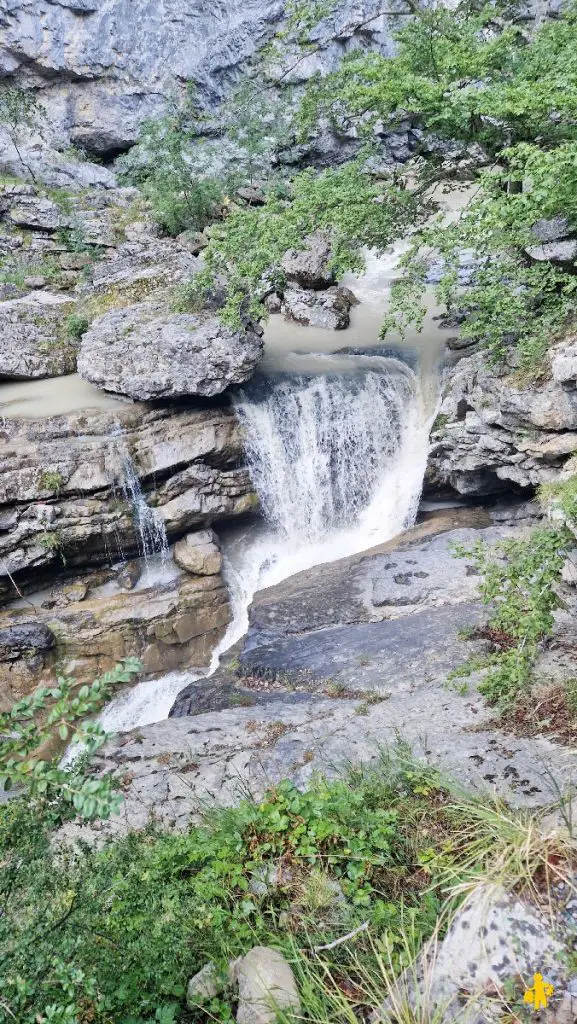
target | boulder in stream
[
  {"x": 199, "y": 553},
  {"x": 145, "y": 352},
  {"x": 35, "y": 343},
  {"x": 328, "y": 309},
  {"x": 309, "y": 267}
]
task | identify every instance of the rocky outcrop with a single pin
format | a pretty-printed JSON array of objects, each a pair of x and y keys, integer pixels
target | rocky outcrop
[
  {"x": 493, "y": 937},
  {"x": 171, "y": 620},
  {"x": 322, "y": 661},
  {"x": 101, "y": 68},
  {"x": 309, "y": 267},
  {"x": 145, "y": 352},
  {"x": 328, "y": 309},
  {"x": 67, "y": 482},
  {"x": 199, "y": 553},
  {"x": 494, "y": 432},
  {"x": 35, "y": 342}
]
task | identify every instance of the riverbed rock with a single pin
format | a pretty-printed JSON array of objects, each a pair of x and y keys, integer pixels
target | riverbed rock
[
  {"x": 28, "y": 637},
  {"x": 346, "y": 669},
  {"x": 145, "y": 353},
  {"x": 199, "y": 553},
  {"x": 266, "y": 986},
  {"x": 169, "y": 624},
  {"x": 309, "y": 267},
  {"x": 66, "y": 497},
  {"x": 328, "y": 309},
  {"x": 494, "y": 432},
  {"x": 35, "y": 343}
]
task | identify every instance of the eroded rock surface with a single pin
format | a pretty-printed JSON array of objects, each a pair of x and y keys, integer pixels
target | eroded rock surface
[
  {"x": 494, "y": 433},
  {"x": 199, "y": 553},
  {"x": 168, "y": 623},
  {"x": 66, "y": 490},
  {"x": 35, "y": 342},
  {"x": 146, "y": 352},
  {"x": 493, "y": 937},
  {"x": 367, "y": 644},
  {"x": 328, "y": 309}
]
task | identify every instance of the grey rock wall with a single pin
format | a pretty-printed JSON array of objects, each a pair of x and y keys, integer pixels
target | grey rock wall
[{"x": 102, "y": 66}]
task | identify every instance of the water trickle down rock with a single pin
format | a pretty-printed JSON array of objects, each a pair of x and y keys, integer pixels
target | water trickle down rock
[{"x": 148, "y": 523}]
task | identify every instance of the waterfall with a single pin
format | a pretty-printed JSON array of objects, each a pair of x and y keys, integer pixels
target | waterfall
[
  {"x": 149, "y": 524},
  {"x": 338, "y": 461},
  {"x": 318, "y": 447}
]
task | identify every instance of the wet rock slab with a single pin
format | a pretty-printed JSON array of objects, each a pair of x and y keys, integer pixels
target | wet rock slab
[{"x": 356, "y": 670}]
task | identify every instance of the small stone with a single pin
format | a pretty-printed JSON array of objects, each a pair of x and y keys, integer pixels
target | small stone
[
  {"x": 251, "y": 194},
  {"x": 193, "y": 241},
  {"x": 36, "y": 281},
  {"x": 74, "y": 592},
  {"x": 273, "y": 303},
  {"x": 266, "y": 985},
  {"x": 551, "y": 229},
  {"x": 207, "y": 984},
  {"x": 199, "y": 553},
  {"x": 129, "y": 575},
  {"x": 74, "y": 260},
  {"x": 25, "y": 638},
  {"x": 569, "y": 570}
]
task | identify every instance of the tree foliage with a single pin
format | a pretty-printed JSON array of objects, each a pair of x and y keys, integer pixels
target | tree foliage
[
  {"x": 354, "y": 210},
  {"x": 477, "y": 77},
  {"x": 34, "y": 721}
]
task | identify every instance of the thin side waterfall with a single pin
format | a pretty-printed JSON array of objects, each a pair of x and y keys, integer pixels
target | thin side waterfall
[{"x": 152, "y": 539}]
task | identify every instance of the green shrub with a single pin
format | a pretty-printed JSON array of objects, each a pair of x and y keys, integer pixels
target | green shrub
[
  {"x": 114, "y": 935},
  {"x": 516, "y": 580},
  {"x": 76, "y": 326},
  {"x": 34, "y": 720}
]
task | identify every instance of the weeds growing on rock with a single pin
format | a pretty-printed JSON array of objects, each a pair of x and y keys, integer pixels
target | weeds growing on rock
[{"x": 517, "y": 580}]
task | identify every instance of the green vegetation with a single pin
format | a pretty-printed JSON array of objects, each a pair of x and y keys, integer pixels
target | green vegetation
[
  {"x": 32, "y": 723},
  {"x": 249, "y": 245},
  {"x": 561, "y": 496},
  {"x": 114, "y": 934},
  {"x": 181, "y": 191},
  {"x": 504, "y": 96},
  {"x": 76, "y": 326},
  {"x": 516, "y": 581},
  {"x": 51, "y": 480}
]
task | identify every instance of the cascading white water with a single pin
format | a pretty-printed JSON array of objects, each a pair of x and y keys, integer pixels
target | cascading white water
[
  {"x": 152, "y": 539},
  {"x": 317, "y": 447}
]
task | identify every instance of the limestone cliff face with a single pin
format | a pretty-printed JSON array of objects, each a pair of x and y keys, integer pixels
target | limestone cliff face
[
  {"x": 102, "y": 66},
  {"x": 494, "y": 433}
]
